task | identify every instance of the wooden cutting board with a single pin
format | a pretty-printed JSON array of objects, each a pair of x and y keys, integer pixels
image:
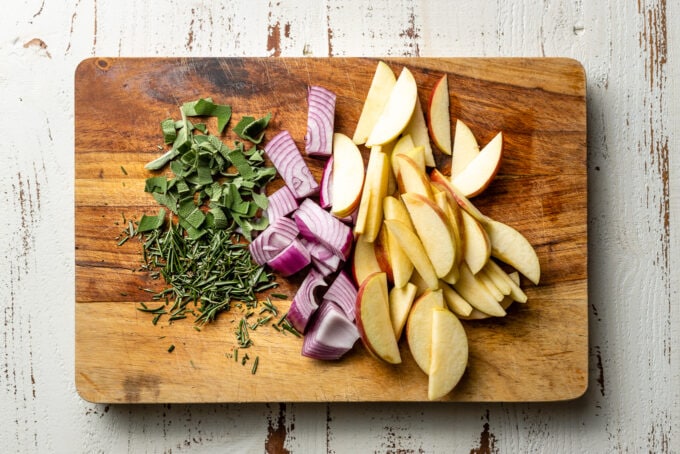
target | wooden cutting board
[{"x": 538, "y": 352}]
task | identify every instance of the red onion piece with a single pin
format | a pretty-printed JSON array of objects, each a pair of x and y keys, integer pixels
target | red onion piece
[
  {"x": 317, "y": 224},
  {"x": 281, "y": 203},
  {"x": 288, "y": 161},
  {"x": 343, "y": 293},
  {"x": 305, "y": 301},
  {"x": 331, "y": 334},
  {"x": 273, "y": 240},
  {"x": 323, "y": 259},
  {"x": 291, "y": 259},
  {"x": 320, "y": 121},
  {"x": 325, "y": 196}
]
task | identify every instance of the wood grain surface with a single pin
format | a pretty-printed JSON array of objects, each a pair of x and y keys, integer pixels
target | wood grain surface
[{"x": 539, "y": 352}]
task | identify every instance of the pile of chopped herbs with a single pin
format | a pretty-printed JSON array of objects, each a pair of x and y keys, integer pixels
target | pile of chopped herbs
[{"x": 212, "y": 202}]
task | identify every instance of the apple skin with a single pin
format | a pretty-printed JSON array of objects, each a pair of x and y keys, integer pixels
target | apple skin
[
  {"x": 463, "y": 202},
  {"x": 383, "y": 254},
  {"x": 373, "y": 319},
  {"x": 439, "y": 116},
  {"x": 378, "y": 94},
  {"x": 346, "y": 187}
]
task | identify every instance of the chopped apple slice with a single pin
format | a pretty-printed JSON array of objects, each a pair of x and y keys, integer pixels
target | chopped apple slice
[
  {"x": 434, "y": 231},
  {"x": 477, "y": 243},
  {"x": 501, "y": 284},
  {"x": 346, "y": 187},
  {"x": 511, "y": 247},
  {"x": 481, "y": 171},
  {"x": 378, "y": 94},
  {"x": 439, "y": 116},
  {"x": 413, "y": 247},
  {"x": 465, "y": 148},
  {"x": 402, "y": 146},
  {"x": 452, "y": 212},
  {"x": 459, "y": 197},
  {"x": 397, "y": 112},
  {"x": 402, "y": 267},
  {"x": 373, "y": 319},
  {"x": 401, "y": 300},
  {"x": 411, "y": 178},
  {"x": 364, "y": 260},
  {"x": 383, "y": 254},
  {"x": 376, "y": 181},
  {"x": 490, "y": 285},
  {"x": 454, "y": 301},
  {"x": 476, "y": 293},
  {"x": 419, "y": 282},
  {"x": 507, "y": 301},
  {"x": 419, "y": 327},
  {"x": 449, "y": 356},
  {"x": 516, "y": 293},
  {"x": 417, "y": 129}
]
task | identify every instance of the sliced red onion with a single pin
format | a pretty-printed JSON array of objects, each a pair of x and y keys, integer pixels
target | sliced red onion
[
  {"x": 317, "y": 224},
  {"x": 291, "y": 259},
  {"x": 325, "y": 196},
  {"x": 273, "y": 240},
  {"x": 323, "y": 259},
  {"x": 281, "y": 203},
  {"x": 306, "y": 300},
  {"x": 343, "y": 292},
  {"x": 288, "y": 161},
  {"x": 331, "y": 334},
  {"x": 320, "y": 121}
]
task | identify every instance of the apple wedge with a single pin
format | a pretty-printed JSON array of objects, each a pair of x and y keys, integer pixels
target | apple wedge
[
  {"x": 477, "y": 243},
  {"x": 453, "y": 214},
  {"x": 465, "y": 148},
  {"x": 439, "y": 116},
  {"x": 383, "y": 254},
  {"x": 346, "y": 187},
  {"x": 417, "y": 129},
  {"x": 419, "y": 327},
  {"x": 378, "y": 94},
  {"x": 490, "y": 285},
  {"x": 413, "y": 247},
  {"x": 511, "y": 247},
  {"x": 454, "y": 301},
  {"x": 507, "y": 301},
  {"x": 397, "y": 112},
  {"x": 476, "y": 293},
  {"x": 482, "y": 170},
  {"x": 401, "y": 264},
  {"x": 401, "y": 146},
  {"x": 449, "y": 354},
  {"x": 364, "y": 260},
  {"x": 458, "y": 196},
  {"x": 401, "y": 300},
  {"x": 496, "y": 272},
  {"x": 434, "y": 231},
  {"x": 411, "y": 178},
  {"x": 373, "y": 319},
  {"x": 419, "y": 282},
  {"x": 369, "y": 219}
]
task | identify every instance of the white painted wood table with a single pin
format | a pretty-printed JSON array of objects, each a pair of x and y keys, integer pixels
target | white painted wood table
[{"x": 629, "y": 54}]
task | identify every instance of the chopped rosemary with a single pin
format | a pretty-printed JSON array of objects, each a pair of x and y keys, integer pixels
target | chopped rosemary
[
  {"x": 255, "y": 363},
  {"x": 171, "y": 348}
]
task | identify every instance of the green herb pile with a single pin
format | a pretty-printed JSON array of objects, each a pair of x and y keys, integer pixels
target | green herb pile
[{"x": 213, "y": 201}]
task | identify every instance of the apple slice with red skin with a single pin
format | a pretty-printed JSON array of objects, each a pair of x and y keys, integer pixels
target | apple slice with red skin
[
  {"x": 419, "y": 327},
  {"x": 439, "y": 116},
  {"x": 364, "y": 260},
  {"x": 397, "y": 112},
  {"x": 373, "y": 319},
  {"x": 479, "y": 173},
  {"x": 346, "y": 187},
  {"x": 465, "y": 148}
]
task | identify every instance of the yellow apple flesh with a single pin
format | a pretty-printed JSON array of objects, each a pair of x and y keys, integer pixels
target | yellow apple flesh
[
  {"x": 348, "y": 167},
  {"x": 439, "y": 116},
  {"x": 417, "y": 129},
  {"x": 511, "y": 247},
  {"x": 413, "y": 247},
  {"x": 482, "y": 170},
  {"x": 419, "y": 327},
  {"x": 401, "y": 300},
  {"x": 378, "y": 94},
  {"x": 373, "y": 319},
  {"x": 449, "y": 356},
  {"x": 397, "y": 112},
  {"x": 465, "y": 148},
  {"x": 477, "y": 244}
]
